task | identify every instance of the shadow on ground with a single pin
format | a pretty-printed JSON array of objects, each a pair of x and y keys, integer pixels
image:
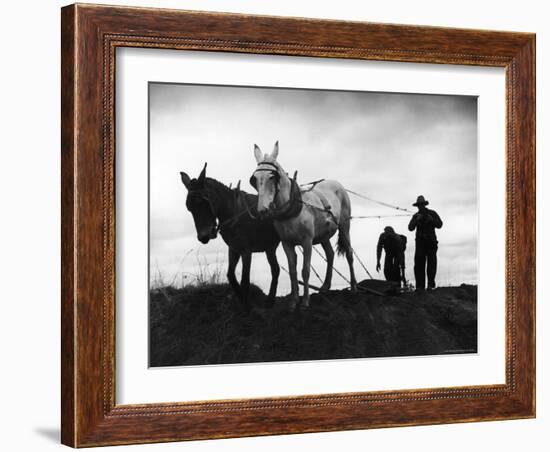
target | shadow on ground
[{"x": 204, "y": 325}]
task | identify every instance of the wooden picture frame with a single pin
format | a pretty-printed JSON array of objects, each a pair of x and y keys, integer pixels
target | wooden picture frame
[{"x": 90, "y": 36}]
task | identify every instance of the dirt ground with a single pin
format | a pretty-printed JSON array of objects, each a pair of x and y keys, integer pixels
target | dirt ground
[{"x": 204, "y": 325}]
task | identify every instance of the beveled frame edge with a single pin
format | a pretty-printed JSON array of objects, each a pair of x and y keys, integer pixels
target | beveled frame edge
[{"x": 90, "y": 35}]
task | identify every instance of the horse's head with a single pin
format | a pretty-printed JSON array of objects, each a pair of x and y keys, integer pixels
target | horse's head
[
  {"x": 200, "y": 205},
  {"x": 268, "y": 179}
]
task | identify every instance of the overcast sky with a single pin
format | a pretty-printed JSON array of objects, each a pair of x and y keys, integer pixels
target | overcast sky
[{"x": 391, "y": 147}]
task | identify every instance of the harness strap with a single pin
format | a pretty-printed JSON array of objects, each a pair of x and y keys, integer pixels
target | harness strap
[
  {"x": 293, "y": 206},
  {"x": 312, "y": 184},
  {"x": 230, "y": 222},
  {"x": 324, "y": 201},
  {"x": 274, "y": 170},
  {"x": 206, "y": 198},
  {"x": 266, "y": 169},
  {"x": 326, "y": 209}
]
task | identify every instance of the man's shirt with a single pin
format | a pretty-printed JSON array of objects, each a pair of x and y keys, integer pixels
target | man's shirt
[{"x": 425, "y": 224}]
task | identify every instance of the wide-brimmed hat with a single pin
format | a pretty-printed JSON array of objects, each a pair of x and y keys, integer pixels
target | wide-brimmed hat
[{"x": 420, "y": 201}]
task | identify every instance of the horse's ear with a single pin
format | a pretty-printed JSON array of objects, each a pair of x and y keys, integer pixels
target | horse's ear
[
  {"x": 237, "y": 193},
  {"x": 275, "y": 152},
  {"x": 185, "y": 179},
  {"x": 202, "y": 175},
  {"x": 258, "y": 153}
]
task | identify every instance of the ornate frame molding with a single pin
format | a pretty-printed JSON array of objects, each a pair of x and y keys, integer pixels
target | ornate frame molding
[{"x": 90, "y": 37}]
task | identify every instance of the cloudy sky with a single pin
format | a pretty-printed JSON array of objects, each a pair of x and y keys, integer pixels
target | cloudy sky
[{"x": 390, "y": 147}]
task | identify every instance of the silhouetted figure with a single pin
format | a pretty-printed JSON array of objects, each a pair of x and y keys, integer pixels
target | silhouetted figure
[
  {"x": 425, "y": 221},
  {"x": 394, "y": 246}
]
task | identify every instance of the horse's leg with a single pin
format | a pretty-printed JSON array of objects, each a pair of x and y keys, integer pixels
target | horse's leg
[
  {"x": 329, "y": 252},
  {"x": 292, "y": 261},
  {"x": 275, "y": 270},
  {"x": 233, "y": 259},
  {"x": 344, "y": 231},
  {"x": 306, "y": 268},
  {"x": 245, "y": 278}
]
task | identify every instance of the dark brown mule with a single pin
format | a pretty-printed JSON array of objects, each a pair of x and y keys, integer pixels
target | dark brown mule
[{"x": 216, "y": 207}]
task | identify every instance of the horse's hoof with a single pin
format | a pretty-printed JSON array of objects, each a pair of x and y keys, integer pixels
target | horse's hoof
[{"x": 305, "y": 303}]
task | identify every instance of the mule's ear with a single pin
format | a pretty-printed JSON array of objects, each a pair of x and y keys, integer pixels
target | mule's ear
[
  {"x": 202, "y": 175},
  {"x": 238, "y": 185},
  {"x": 275, "y": 152},
  {"x": 185, "y": 179},
  {"x": 258, "y": 153}
]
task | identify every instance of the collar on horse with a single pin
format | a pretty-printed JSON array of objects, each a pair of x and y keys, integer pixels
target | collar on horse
[
  {"x": 290, "y": 208},
  {"x": 293, "y": 206}
]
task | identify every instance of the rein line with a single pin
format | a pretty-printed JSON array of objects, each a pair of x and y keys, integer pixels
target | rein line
[
  {"x": 382, "y": 203},
  {"x": 225, "y": 223},
  {"x": 287, "y": 206}
]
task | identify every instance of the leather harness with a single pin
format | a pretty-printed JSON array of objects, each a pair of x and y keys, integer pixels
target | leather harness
[{"x": 290, "y": 208}]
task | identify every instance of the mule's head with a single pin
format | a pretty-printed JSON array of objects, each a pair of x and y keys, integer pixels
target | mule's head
[
  {"x": 200, "y": 205},
  {"x": 267, "y": 179}
]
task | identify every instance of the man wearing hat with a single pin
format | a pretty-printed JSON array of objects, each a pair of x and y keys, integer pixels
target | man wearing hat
[
  {"x": 394, "y": 263},
  {"x": 425, "y": 221}
]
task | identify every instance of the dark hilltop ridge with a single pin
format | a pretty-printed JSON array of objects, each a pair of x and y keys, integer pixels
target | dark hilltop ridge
[{"x": 200, "y": 325}]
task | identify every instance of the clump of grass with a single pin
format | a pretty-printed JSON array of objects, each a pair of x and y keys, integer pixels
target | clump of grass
[
  {"x": 206, "y": 274},
  {"x": 209, "y": 274}
]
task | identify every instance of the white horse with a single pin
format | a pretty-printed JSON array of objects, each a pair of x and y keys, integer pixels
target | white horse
[{"x": 304, "y": 218}]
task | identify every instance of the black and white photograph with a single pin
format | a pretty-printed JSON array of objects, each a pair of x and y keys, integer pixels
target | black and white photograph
[
  {"x": 275, "y": 226},
  {"x": 302, "y": 224}
]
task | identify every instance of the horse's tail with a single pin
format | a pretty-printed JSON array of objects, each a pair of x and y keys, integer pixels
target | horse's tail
[{"x": 341, "y": 244}]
